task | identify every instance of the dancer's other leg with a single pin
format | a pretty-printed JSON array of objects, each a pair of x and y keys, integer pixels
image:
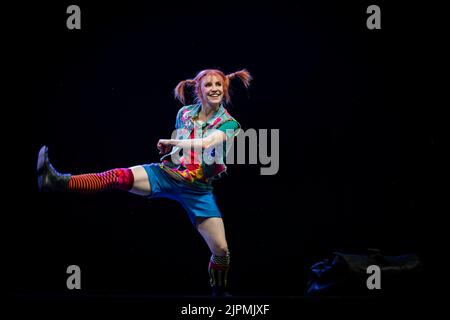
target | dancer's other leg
[{"x": 213, "y": 231}]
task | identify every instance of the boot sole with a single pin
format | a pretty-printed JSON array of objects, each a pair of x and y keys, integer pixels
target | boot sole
[{"x": 41, "y": 166}]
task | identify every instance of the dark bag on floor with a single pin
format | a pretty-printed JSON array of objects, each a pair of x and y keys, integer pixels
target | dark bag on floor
[{"x": 346, "y": 274}]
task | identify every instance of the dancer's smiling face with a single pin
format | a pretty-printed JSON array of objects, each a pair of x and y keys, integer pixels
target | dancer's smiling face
[{"x": 212, "y": 90}]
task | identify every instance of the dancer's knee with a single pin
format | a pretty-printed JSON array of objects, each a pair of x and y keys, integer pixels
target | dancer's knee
[
  {"x": 141, "y": 184},
  {"x": 220, "y": 250}
]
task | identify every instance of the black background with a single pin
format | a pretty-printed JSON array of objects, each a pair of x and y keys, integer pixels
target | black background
[{"x": 359, "y": 152}]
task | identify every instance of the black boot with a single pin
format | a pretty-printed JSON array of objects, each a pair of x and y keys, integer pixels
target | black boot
[
  {"x": 218, "y": 291},
  {"x": 48, "y": 178}
]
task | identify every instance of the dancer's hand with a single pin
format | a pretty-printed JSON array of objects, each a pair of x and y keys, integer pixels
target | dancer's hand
[{"x": 164, "y": 146}]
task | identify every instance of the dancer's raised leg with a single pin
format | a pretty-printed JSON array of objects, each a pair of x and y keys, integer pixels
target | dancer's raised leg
[{"x": 132, "y": 179}]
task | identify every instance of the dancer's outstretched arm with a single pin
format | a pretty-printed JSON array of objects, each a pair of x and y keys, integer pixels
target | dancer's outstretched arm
[{"x": 214, "y": 139}]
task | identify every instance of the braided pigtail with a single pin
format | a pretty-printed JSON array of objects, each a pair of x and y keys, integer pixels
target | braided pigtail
[
  {"x": 179, "y": 89},
  {"x": 243, "y": 75}
]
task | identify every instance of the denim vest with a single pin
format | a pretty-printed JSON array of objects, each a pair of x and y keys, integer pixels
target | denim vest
[{"x": 212, "y": 168}]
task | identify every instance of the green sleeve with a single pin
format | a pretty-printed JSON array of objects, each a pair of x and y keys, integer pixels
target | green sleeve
[{"x": 229, "y": 128}]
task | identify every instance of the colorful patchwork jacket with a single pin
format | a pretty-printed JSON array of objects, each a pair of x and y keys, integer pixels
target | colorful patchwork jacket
[{"x": 199, "y": 166}]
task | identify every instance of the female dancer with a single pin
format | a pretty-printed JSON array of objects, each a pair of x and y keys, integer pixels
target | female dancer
[{"x": 190, "y": 164}]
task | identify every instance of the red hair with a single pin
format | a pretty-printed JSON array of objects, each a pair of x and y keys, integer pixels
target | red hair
[{"x": 243, "y": 75}]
